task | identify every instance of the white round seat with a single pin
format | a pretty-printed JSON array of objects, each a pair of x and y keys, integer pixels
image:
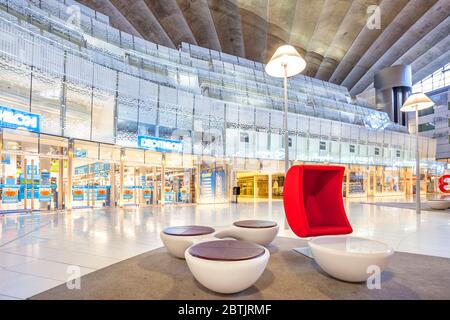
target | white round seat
[
  {"x": 262, "y": 232},
  {"x": 178, "y": 239},
  {"x": 348, "y": 258},
  {"x": 439, "y": 204},
  {"x": 227, "y": 266}
]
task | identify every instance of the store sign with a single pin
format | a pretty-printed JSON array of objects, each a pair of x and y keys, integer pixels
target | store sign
[
  {"x": 80, "y": 153},
  {"x": 147, "y": 192},
  {"x": 6, "y": 158},
  {"x": 16, "y": 119},
  {"x": 45, "y": 193},
  {"x": 444, "y": 183},
  {"x": 78, "y": 193},
  {"x": 159, "y": 145},
  {"x": 127, "y": 194},
  {"x": 101, "y": 192},
  {"x": 10, "y": 194}
]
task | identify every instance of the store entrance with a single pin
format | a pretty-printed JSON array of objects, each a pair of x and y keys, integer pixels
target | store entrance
[
  {"x": 92, "y": 184},
  {"x": 178, "y": 185},
  {"x": 139, "y": 185},
  {"x": 32, "y": 172}
]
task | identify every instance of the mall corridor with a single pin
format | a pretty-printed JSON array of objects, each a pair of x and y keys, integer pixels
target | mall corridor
[{"x": 37, "y": 249}]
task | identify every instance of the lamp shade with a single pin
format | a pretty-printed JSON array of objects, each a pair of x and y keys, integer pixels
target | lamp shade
[
  {"x": 285, "y": 56},
  {"x": 417, "y": 100}
]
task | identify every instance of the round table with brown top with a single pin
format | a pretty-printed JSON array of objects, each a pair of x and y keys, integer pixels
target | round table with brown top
[
  {"x": 255, "y": 224},
  {"x": 178, "y": 238},
  {"x": 226, "y": 250},
  {"x": 262, "y": 232},
  {"x": 185, "y": 231},
  {"x": 227, "y": 266}
]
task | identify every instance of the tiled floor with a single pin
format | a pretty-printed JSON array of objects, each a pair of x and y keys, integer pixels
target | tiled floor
[{"x": 37, "y": 250}]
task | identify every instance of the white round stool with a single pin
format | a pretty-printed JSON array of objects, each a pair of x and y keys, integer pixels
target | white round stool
[
  {"x": 262, "y": 232},
  {"x": 439, "y": 204},
  {"x": 227, "y": 266},
  {"x": 348, "y": 258},
  {"x": 178, "y": 239}
]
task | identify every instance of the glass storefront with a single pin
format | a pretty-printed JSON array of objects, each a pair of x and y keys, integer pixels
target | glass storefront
[{"x": 31, "y": 171}]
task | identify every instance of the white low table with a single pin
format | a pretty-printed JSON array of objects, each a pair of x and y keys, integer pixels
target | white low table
[
  {"x": 262, "y": 232},
  {"x": 227, "y": 266},
  {"x": 439, "y": 204},
  {"x": 348, "y": 258},
  {"x": 178, "y": 239}
]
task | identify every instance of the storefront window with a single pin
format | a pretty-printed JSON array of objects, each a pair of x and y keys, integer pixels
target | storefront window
[
  {"x": 15, "y": 86},
  {"x": 78, "y": 111},
  {"x": 46, "y": 101},
  {"x": 32, "y": 171},
  {"x": 356, "y": 179}
]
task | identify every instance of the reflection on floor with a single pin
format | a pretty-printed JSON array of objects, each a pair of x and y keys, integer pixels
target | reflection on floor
[{"x": 36, "y": 250}]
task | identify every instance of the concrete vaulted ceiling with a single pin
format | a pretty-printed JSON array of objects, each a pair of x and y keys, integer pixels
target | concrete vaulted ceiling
[{"x": 332, "y": 35}]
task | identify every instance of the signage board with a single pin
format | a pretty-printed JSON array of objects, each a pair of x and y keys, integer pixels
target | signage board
[
  {"x": 127, "y": 193},
  {"x": 444, "y": 183},
  {"x": 10, "y": 194},
  {"x": 6, "y": 158},
  {"x": 159, "y": 144},
  {"x": 78, "y": 193},
  {"x": 101, "y": 192},
  {"x": 45, "y": 193},
  {"x": 18, "y": 119},
  {"x": 147, "y": 192}
]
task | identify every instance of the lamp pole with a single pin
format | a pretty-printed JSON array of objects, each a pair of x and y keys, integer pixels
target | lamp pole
[
  {"x": 286, "y": 130},
  {"x": 417, "y": 163},
  {"x": 415, "y": 103},
  {"x": 285, "y": 62}
]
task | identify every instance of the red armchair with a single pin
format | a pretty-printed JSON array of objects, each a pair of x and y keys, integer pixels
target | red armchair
[{"x": 313, "y": 201}]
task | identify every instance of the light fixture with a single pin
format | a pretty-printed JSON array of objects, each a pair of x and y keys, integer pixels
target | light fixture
[
  {"x": 285, "y": 62},
  {"x": 417, "y": 102}
]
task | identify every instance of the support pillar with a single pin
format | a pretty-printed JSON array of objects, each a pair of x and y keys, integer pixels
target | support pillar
[
  {"x": 69, "y": 175},
  {"x": 269, "y": 190},
  {"x": 59, "y": 187},
  {"x": 25, "y": 178},
  {"x": 121, "y": 172},
  {"x": 112, "y": 192},
  {"x": 163, "y": 179}
]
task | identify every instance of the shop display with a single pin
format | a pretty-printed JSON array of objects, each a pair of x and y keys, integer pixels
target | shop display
[{"x": 10, "y": 194}]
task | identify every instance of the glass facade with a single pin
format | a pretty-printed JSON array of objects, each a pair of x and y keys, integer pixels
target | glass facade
[{"x": 93, "y": 83}]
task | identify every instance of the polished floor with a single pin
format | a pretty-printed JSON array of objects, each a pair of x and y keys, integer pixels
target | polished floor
[{"x": 37, "y": 251}]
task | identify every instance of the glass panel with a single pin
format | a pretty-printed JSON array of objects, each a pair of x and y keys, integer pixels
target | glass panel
[{"x": 46, "y": 101}]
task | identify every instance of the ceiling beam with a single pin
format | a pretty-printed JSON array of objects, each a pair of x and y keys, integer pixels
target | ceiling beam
[
  {"x": 419, "y": 30},
  {"x": 352, "y": 24},
  {"x": 140, "y": 16},
  {"x": 399, "y": 26},
  {"x": 198, "y": 16},
  {"x": 281, "y": 15},
  {"x": 436, "y": 57},
  {"x": 254, "y": 24},
  {"x": 333, "y": 12},
  {"x": 172, "y": 20},
  {"x": 389, "y": 10},
  {"x": 423, "y": 45},
  {"x": 306, "y": 15},
  {"x": 227, "y": 20},
  {"x": 118, "y": 21}
]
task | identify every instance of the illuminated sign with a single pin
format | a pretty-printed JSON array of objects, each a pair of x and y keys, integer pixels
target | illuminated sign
[
  {"x": 16, "y": 119},
  {"x": 159, "y": 145},
  {"x": 444, "y": 183}
]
